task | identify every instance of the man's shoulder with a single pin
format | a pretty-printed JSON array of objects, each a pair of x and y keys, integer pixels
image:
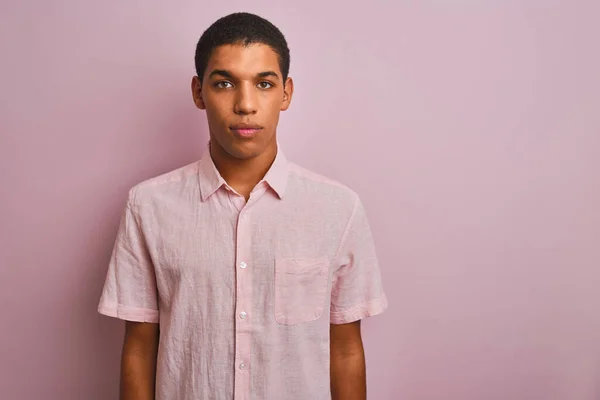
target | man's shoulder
[
  {"x": 165, "y": 183},
  {"x": 321, "y": 184}
]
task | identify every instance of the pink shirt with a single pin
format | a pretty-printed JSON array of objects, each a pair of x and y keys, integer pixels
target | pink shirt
[{"x": 244, "y": 292}]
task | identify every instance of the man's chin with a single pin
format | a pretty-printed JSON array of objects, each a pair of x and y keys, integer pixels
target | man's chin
[{"x": 242, "y": 150}]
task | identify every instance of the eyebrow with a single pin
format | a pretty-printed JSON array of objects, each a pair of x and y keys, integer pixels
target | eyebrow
[
  {"x": 226, "y": 74},
  {"x": 268, "y": 73}
]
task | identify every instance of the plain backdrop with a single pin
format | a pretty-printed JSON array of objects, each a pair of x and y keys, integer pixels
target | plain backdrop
[{"x": 471, "y": 129}]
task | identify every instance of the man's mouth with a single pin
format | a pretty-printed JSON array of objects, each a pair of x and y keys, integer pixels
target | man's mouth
[{"x": 245, "y": 130}]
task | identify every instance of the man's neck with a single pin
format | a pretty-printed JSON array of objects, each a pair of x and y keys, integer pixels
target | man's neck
[{"x": 242, "y": 175}]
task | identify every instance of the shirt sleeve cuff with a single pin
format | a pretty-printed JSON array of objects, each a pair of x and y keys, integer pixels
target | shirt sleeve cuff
[
  {"x": 128, "y": 313},
  {"x": 359, "y": 312}
]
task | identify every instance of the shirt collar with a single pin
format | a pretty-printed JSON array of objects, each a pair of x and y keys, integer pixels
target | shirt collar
[{"x": 210, "y": 180}]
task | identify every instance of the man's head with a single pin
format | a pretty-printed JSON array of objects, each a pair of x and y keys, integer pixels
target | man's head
[{"x": 242, "y": 64}]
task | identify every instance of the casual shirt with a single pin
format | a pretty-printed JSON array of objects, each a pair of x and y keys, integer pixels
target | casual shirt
[{"x": 244, "y": 292}]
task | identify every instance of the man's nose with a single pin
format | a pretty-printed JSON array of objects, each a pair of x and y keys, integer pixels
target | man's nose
[{"x": 245, "y": 101}]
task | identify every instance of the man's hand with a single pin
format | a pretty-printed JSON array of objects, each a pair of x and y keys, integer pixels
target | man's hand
[
  {"x": 138, "y": 361},
  {"x": 348, "y": 374}
]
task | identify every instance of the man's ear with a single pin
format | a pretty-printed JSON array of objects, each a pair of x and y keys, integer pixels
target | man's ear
[
  {"x": 288, "y": 91},
  {"x": 197, "y": 93}
]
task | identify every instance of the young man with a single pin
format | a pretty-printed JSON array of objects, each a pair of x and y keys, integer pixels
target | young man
[{"x": 243, "y": 276}]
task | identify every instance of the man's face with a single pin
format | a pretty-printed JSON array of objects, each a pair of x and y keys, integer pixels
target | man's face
[{"x": 243, "y": 93}]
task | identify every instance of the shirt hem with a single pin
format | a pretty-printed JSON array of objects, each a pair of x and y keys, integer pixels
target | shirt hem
[
  {"x": 359, "y": 312},
  {"x": 128, "y": 313}
]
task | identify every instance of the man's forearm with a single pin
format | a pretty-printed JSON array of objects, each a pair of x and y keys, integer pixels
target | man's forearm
[
  {"x": 348, "y": 377},
  {"x": 137, "y": 378},
  {"x": 138, "y": 362}
]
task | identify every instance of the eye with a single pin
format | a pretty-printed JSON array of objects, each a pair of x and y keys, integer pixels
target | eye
[
  {"x": 223, "y": 85},
  {"x": 265, "y": 85}
]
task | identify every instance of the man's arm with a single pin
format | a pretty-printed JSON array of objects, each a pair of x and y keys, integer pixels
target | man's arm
[
  {"x": 348, "y": 373},
  {"x": 138, "y": 361}
]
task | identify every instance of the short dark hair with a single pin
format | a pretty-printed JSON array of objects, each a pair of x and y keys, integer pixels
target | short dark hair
[{"x": 244, "y": 29}]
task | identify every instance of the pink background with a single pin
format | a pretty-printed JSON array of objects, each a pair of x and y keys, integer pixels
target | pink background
[{"x": 470, "y": 128}]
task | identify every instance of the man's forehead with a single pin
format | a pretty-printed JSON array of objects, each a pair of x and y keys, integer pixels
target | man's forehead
[{"x": 247, "y": 60}]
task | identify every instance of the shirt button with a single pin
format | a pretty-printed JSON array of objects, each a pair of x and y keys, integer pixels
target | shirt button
[
  {"x": 243, "y": 314},
  {"x": 243, "y": 265},
  {"x": 242, "y": 365}
]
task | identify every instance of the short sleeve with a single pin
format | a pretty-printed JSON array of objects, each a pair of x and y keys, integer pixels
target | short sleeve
[
  {"x": 357, "y": 290},
  {"x": 130, "y": 291}
]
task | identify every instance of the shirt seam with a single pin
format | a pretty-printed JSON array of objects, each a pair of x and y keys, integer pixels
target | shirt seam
[
  {"x": 132, "y": 204},
  {"x": 358, "y": 306},
  {"x": 119, "y": 305},
  {"x": 347, "y": 230},
  {"x": 129, "y": 313}
]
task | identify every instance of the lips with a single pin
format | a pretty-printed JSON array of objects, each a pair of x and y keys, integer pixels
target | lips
[{"x": 245, "y": 130}]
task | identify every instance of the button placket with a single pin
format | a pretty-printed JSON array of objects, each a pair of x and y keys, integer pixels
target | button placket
[{"x": 243, "y": 304}]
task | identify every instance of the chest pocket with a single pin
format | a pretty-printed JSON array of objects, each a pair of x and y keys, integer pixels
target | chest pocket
[{"x": 300, "y": 289}]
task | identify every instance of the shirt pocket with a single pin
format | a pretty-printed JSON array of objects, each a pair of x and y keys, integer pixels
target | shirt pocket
[{"x": 300, "y": 289}]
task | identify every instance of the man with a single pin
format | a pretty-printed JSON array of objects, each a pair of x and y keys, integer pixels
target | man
[{"x": 243, "y": 276}]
